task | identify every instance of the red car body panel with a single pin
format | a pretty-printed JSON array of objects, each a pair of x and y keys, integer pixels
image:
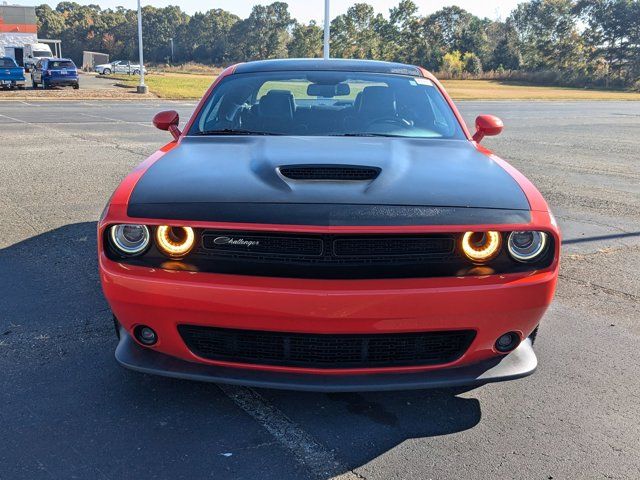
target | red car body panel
[{"x": 489, "y": 304}]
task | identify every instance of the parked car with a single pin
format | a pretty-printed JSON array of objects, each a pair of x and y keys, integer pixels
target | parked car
[
  {"x": 55, "y": 72},
  {"x": 11, "y": 75},
  {"x": 328, "y": 225},
  {"x": 119, "y": 66}
]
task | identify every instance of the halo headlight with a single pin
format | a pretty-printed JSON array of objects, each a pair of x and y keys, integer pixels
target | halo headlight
[
  {"x": 526, "y": 246},
  {"x": 129, "y": 239},
  {"x": 175, "y": 242},
  {"x": 480, "y": 247}
]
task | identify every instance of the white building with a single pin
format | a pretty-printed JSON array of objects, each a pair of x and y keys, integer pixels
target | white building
[{"x": 18, "y": 27}]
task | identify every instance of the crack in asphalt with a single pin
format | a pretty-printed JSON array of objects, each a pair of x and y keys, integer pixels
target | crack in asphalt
[{"x": 610, "y": 291}]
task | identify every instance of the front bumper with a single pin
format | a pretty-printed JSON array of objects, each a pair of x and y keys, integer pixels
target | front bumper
[
  {"x": 490, "y": 305},
  {"x": 519, "y": 363}
]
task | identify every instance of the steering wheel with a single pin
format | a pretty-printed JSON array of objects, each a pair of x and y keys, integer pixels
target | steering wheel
[{"x": 400, "y": 122}]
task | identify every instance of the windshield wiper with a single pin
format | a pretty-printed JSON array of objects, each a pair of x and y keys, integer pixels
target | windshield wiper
[
  {"x": 365, "y": 134},
  {"x": 233, "y": 131}
]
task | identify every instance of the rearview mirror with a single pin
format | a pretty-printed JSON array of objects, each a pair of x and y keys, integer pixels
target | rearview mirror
[
  {"x": 168, "y": 120},
  {"x": 328, "y": 91},
  {"x": 487, "y": 126}
]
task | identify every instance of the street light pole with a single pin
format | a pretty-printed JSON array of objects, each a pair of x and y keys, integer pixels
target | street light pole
[
  {"x": 142, "y": 88},
  {"x": 327, "y": 25}
]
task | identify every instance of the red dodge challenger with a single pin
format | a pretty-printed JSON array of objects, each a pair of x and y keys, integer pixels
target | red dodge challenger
[{"x": 328, "y": 225}]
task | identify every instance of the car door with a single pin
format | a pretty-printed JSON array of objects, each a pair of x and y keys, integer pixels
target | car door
[{"x": 36, "y": 74}]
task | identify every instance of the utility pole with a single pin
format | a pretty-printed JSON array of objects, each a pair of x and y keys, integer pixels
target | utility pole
[
  {"x": 171, "y": 51},
  {"x": 142, "y": 88},
  {"x": 327, "y": 26}
]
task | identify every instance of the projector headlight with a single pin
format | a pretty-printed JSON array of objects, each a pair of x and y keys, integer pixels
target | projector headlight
[
  {"x": 129, "y": 239},
  {"x": 175, "y": 242},
  {"x": 480, "y": 247},
  {"x": 527, "y": 246}
]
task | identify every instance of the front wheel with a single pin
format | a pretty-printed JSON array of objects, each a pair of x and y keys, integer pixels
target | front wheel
[
  {"x": 106, "y": 71},
  {"x": 76, "y": 86}
]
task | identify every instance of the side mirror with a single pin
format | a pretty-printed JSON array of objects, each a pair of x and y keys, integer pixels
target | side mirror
[
  {"x": 168, "y": 120},
  {"x": 487, "y": 126}
]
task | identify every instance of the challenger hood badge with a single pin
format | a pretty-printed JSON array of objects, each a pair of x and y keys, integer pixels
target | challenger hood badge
[{"x": 235, "y": 241}]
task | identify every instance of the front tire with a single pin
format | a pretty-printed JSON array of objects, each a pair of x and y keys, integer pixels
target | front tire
[
  {"x": 106, "y": 71},
  {"x": 116, "y": 325},
  {"x": 76, "y": 86}
]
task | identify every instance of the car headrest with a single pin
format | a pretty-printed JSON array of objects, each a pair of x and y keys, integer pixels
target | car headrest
[
  {"x": 277, "y": 104},
  {"x": 378, "y": 101}
]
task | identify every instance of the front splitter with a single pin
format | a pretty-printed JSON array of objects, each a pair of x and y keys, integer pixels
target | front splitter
[{"x": 519, "y": 363}]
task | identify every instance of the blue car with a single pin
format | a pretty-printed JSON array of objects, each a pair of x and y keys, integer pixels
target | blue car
[
  {"x": 11, "y": 75},
  {"x": 55, "y": 72}
]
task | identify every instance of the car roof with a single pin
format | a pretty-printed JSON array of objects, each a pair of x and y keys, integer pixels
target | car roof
[
  {"x": 334, "y": 64},
  {"x": 54, "y": 59}
]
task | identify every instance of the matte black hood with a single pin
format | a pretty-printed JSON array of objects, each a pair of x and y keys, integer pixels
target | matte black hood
[{"x": 421, "y": 181}]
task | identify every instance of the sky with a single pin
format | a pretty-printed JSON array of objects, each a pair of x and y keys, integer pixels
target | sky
[{"x": 305, "y": 10}]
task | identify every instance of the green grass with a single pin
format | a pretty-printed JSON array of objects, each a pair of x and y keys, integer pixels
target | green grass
[
  {"x": 176, "y": 86},
  {"x": 499, "y": 90},
  {"x": 191, "y": 86}
]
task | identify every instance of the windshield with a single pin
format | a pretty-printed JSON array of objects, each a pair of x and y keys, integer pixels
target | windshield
[
  {"x": 7, "y": 63},
  {"x": 41, "y": 53},
  {"x": 327, "y": 103}
]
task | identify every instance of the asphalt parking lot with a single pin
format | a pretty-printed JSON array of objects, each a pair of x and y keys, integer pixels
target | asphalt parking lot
[{"x": 67, "y": 410}]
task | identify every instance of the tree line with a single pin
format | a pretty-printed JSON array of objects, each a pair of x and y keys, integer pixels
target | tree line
[{"x": 570, "y": 42}]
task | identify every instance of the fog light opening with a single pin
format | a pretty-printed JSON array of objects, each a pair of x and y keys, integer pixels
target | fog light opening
[
  {"x": 507, "y": 342},
  {"x": 145, "y": 335}
]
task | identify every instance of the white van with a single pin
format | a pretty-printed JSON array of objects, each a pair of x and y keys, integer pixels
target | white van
[{"x": 32, "y": 53}]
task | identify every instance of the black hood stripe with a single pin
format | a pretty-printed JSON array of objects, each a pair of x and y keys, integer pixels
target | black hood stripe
[{"x": 328, "y": 214}]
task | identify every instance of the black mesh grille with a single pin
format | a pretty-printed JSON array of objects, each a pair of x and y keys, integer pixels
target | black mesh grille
[
  {"x": 328, "y": 249},
  {"x": 237, "y": 242},
  {"x": 376, "y": 246},
  {"x": 329, "y": 172},
  {"x": 326, "y": 351}
]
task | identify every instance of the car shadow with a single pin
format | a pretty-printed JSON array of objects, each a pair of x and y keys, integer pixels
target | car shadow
[{"x": 67, "y": 402}]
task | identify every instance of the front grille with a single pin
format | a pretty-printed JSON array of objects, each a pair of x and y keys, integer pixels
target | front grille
[
  {"x": 326, "y": 350},
  {"x": 329, "y": 172},
  {"x": 327, "y": 249},
  {"x": 390, "y": 246},
  {"x": 298, "y": 255},
  {"x": 258, "y": 245}
]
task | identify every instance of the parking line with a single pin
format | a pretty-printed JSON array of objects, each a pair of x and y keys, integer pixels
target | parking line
[
  {"x": 117, "y": 120},
  {"x": 13, "y": 119},
  {"x": 307, "y": 451}
]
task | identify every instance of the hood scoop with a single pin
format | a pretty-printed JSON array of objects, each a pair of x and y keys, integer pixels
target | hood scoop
[{"x": 350, "y": 173}]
